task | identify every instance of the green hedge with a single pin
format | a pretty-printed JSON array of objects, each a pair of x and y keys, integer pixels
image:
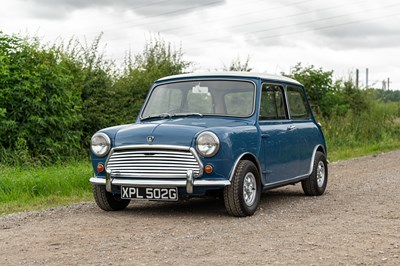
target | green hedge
[
  {"x": 39, "y": 102},
  {"x": 53, "y": 98}
]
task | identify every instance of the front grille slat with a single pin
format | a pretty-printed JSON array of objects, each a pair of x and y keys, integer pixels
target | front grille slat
[
  {"x": 152, "y": 163},
  {"x": 119, "y": 155},
  {"x": 157, "y": 167},
  {"x": 153, "y": 166},
  {"x": 149, "y": 159},
  {"x": 158, "y": 152}
]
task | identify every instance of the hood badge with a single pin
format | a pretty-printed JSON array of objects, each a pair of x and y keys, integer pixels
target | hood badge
[{"x": 150, "y": 139}]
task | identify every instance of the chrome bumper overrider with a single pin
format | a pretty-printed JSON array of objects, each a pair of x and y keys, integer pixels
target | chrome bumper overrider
[{"x": 189, "y": 183}]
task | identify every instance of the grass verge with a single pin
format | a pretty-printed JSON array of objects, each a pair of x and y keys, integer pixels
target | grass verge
[
  {"x": 35, "y": 188},
  {"x": 373, "y": 149}
]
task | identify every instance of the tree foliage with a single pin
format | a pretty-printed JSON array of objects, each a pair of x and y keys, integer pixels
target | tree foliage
[
  {"x": 52, "y": 99},
  {"x": 96, "y": 78},
  {"x": 385, "y": 95},
  {"x": 238, "y": 65},
  {"x": 39, "y": 101},
  {"x": 327, "y": 97},
  {"x": 157, "y": 60}
]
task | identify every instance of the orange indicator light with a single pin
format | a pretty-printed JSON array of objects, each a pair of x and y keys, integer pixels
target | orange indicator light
[
  {"x": 100, "y": 167},
  {"x": 208, "y": 169}
]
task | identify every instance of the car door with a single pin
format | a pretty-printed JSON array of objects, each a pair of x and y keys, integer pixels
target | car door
[
  {"x": 278, "y": 136},
  {"x": 307, "y": 132}
]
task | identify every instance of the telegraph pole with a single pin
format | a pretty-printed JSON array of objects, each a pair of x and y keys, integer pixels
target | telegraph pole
[
  {"x": 366, "y": 78},
  {"x": 357, "y": 74}
]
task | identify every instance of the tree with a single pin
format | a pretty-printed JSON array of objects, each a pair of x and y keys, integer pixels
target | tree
[
  {"x": 157, "y": 60},
  {"x": 317, "y": 82},
  {"x": 237, "y": 65},
  {"x": 40, "y": 105},
  {"x": 100, "y": 102},
  {"x": 327, "y": 97}
]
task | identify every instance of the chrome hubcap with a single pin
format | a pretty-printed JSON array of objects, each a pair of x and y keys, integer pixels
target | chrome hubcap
[
  {"x": 320, "y": 174},
  {"x": 249, "y": 189}
]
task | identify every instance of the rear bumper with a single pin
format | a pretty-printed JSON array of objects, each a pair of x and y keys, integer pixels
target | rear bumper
[{"x": 189, "y": 183}]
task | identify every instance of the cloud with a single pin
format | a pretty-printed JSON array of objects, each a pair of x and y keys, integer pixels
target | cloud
[
  {"x": 59, "y": 9},
  {"x": 336, "y": 25},
  {"x": 361, "y": 36}
]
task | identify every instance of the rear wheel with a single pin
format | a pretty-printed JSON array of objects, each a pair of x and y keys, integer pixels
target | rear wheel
[
  {"x": 243, "y": 195},
  {"x": 315, "y": 184},
  {"x": 108, "y": 201}
]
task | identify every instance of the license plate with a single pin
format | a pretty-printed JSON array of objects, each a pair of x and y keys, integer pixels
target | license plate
[{"x": 149, "y": 193}]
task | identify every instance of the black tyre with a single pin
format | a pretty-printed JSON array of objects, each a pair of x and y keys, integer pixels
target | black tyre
[
  {"x": 107, "y": 201},
  {"x": 242, "y": 197},
  {"x": 315, "y": 184}
]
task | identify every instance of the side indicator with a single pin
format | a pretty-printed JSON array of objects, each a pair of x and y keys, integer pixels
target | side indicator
[
  {"x": 100, "y": 167},
  {"x": 208, "y": 169}
]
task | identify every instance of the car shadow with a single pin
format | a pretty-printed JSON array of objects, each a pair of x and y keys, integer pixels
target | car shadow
[
  {"x": 284, "y": 195},
  {"x": 211, "y": 206}
]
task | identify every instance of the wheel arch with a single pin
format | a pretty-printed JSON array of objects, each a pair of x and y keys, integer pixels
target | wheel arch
[
  {"x": 313, "y": 186},
  {"x": 250, "y": 157},
  {"x": 317, "y": 148},
  {"x": 320, "y": 148}
]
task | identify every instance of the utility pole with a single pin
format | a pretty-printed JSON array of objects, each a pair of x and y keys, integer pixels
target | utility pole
[
  {"x": 357, "y": 74},
  {"x": 366, "y": 78},
  {"x": 388, "y": 83}
]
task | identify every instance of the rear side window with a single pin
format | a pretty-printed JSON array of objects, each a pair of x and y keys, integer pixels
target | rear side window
[
  {"x": 272, "y": 103},
  {"x": 298, "y": 106}
]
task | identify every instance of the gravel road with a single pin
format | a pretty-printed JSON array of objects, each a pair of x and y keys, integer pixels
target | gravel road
[{"x": 356, "y": 222}]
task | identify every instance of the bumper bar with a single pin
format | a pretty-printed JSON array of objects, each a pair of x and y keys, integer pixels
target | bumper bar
[{"x": 189, "y": 183}]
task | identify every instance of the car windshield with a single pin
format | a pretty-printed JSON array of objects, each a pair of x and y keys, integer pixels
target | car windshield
[{"x": 201, "y": 97}]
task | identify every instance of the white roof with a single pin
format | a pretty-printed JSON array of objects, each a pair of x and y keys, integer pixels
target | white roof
[{"x": 232, "y": 74}]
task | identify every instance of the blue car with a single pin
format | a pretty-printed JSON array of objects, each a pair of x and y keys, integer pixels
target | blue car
[{"x": 233, "y": 134}]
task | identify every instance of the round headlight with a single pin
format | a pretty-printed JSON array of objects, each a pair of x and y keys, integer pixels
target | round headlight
[
  {"x": 207, "y": 144},
  {"x": 100, "y": 144}
]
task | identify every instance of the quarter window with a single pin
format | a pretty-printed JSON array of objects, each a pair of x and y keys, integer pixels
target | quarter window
[
  {"x": 298, "y": 106},
  {"x": 272, "y": 103}
]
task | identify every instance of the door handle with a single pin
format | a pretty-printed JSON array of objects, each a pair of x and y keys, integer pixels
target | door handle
[{"x": 291, "y": 127}]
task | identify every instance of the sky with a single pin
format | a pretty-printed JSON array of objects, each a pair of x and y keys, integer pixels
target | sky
[{"x": 340, "y": 35}]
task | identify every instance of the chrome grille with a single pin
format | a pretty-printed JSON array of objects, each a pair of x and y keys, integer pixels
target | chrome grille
[{"x": 152, "y": 163}]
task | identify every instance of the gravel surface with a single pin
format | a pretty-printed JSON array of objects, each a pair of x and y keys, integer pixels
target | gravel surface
[{"x": 356, "y": 222}]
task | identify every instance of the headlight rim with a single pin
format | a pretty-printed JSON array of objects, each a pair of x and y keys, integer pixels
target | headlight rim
[
  {"x": 215, "y": 138},
  {"x": 108, "y": 144}
]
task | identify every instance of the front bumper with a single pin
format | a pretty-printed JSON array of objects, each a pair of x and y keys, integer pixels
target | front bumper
[
  {"x": 189, "y": 183},
  {"x": 155, "y": 166}
]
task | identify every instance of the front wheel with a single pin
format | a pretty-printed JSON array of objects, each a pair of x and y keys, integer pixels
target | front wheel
[
  {"x": 243, "y": 195},
  {"x": 107, "y": 201},
  {"x": 315, "y": 184}
]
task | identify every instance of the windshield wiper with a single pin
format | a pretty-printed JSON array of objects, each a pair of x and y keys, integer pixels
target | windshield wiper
[
  {"x": 162, "y": 115},
  {"x": 188, "y": 114},
  {"x": 168, "y": 115}
]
